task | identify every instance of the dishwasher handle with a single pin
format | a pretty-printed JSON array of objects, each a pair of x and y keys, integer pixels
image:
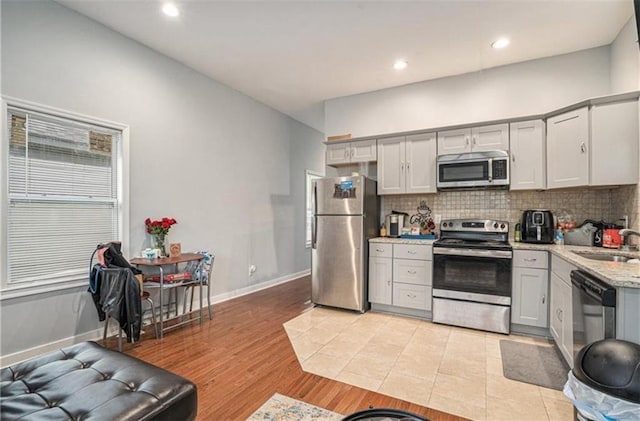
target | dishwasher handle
[{"x": 595, "y": 288}]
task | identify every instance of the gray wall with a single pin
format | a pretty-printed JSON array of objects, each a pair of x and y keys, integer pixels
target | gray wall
[
  {"x": 521, "y": 89},
  {"x": 625, "y": 59},
  {"x": 228, "y": 168}
]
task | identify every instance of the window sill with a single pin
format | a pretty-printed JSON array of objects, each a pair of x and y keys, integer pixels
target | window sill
[{"x": 26, "y": 290}]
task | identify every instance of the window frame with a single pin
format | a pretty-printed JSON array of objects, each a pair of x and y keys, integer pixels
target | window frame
[
  {"x": 7, "y": 290},
  {"x": 310, "y": 175}
]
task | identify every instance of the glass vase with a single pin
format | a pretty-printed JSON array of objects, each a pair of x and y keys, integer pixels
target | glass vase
[{"x": 158, "y": 243}]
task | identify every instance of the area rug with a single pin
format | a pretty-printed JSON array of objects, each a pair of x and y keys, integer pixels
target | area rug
[
  {"x": 541, "y": 365},
  {"x": 284, "y": 408}
]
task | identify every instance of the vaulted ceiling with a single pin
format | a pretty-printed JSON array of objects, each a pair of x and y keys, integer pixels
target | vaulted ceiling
[{"x": 293, "y": 55}]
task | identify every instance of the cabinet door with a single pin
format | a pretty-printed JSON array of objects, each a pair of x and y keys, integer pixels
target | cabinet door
[
  {"x": 568, "y": 149},
  {"x": 614, "y": 144},
  {"x": 528, "y": 164},
  {"x": 490, "y": 138},
  {"x": 338, "y": 154},
  {"x": 530, "y": 304},
  {"x": 454, "y": 141},
  {"x": 555, "y": 308},
  {"x": 363, "y": 151},
  {"x": 420, "y": 153},
  {"x": 380, "y": 273},
  {"x": 391, "y": 165},
  {"x": 566, "y": 346}
]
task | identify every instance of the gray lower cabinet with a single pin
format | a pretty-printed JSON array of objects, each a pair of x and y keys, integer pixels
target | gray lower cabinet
[
  {"x": 530, "y": 289},
  {"x": 561, "y": 310},
  {"x": 400, "y": 276}
]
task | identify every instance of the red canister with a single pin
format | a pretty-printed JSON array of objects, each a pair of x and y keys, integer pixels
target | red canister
[{"x": 611, "y": 238}]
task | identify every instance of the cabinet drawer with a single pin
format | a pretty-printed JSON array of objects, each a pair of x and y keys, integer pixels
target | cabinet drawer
[
  {"x": 380, "y": 249},
  {"x": 412, "y": 296},
  {"x": 416, "y": 272},
  {"x": 562, "y": 268},
  {"x": 414, "y": 252},
  {"x": 530, "y": 259}
]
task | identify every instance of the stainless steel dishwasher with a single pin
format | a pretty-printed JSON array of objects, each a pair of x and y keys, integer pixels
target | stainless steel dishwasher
[{"x": 594, "y": 309}]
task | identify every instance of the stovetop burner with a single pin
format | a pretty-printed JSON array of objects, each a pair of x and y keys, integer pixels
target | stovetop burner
[
  {"x": 474, "y": 233},
  {"x": 479, "y": 244}
]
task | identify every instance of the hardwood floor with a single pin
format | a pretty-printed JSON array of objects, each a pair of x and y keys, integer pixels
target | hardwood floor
[{"x": 243, "y": 356}]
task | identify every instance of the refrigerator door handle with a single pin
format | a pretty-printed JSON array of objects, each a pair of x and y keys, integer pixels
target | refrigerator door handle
[
  {"x": 314, "y": 234},
  {"x": 314, "y": 222}
]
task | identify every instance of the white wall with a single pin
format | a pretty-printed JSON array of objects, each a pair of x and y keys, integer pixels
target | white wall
[
  {"x": 532, "y": 87},
  {"x": 625, "y": 59},
  {"x": 228, "y": 168}
]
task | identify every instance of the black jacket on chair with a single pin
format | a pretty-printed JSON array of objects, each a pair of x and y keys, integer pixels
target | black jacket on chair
[{"x": 120, "y": 299}]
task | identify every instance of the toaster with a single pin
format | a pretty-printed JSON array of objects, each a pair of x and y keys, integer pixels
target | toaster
[{"x": 537, "y": 226}]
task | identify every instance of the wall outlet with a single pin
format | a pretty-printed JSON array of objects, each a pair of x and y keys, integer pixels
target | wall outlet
[
  {"x": 252, "y": 270},
  {"x": 437, "y": 218}
]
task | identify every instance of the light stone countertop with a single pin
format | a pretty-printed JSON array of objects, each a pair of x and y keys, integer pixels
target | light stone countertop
[
  {"x": 401, "y": 241},
  {"x": 618, "y": 274}
]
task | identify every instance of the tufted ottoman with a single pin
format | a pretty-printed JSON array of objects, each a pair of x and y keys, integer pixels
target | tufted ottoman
[{"x": 88, "y": 382}]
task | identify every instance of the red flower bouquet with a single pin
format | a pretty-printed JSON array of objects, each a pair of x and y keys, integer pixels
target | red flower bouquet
[{"x": 159, "y": 230}]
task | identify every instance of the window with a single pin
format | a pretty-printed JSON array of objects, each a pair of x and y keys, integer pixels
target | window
[
  {"x": 64, "y": 195},
  {"x": 310, "y": 176}
]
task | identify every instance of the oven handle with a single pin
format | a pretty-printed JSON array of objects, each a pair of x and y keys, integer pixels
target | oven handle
[{"x": 499, "y": 254}]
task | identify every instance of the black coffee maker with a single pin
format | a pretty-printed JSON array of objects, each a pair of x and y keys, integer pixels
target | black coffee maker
[{"x": 537, "y": 226}]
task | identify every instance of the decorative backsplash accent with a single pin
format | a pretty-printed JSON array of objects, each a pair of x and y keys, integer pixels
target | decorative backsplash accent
[{"x": 607, "y": 204}]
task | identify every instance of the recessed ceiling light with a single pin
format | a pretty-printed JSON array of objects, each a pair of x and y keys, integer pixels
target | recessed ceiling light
[
  {"x": 400, "y": 64},
  {"x": 170, "y": 9},
  {"x": 500, "y": 43}
]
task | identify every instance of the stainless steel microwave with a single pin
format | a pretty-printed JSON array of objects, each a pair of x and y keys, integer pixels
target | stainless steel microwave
[{"x": 473, "y": 169}]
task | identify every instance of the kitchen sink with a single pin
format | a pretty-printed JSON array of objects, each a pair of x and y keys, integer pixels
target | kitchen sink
[{"x": 603, "y": 256}]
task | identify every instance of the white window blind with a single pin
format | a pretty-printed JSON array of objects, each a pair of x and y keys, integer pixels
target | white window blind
[{"x": 63, "y": 195}]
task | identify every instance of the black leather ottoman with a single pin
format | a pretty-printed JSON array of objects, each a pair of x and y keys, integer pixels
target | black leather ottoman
[{"x": 88, "y": 382}]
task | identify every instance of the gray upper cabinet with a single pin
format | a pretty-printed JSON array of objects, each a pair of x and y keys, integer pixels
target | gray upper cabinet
[
  {"x": 475, "y": 139},
  {"x": 528, "y": 158},
  {"x": 407, "y": 164},
  {"x": 614, "y": 144},
  {"x": 596, "y": 146},
  {"x": 351, "y": 152},
  {"x": 567, "y": 149}
]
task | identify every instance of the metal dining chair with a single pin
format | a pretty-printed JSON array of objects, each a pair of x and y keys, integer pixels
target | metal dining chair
[{"x": 203, "y": 271}]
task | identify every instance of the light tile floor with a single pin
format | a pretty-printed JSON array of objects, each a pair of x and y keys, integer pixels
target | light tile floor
[{"x": 455, "y": 370}]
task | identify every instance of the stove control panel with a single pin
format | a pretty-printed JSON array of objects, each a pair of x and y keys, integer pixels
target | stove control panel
[{"x": 474, "y": 225}]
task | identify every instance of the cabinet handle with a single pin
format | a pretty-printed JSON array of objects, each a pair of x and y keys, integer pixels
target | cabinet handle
[
  {"x": 475, "y": 140},
  {"x": 411, "y": 295},
  {"x": 389, "y": 282},
  {"x": 530, "y": 259},
  {"x": 544, "y": 297},
  {"x": 408, "y": 163},
  {"x": 466, "y": 140},
  {"x": 411, "y": 252},
  {"x": 346, "y": 153},
  {"x": 412, "y": 272},
  {"x": 379, "y": 250},
  {"x": 583, "y": 147},
  {"x": 353, "y": 152},
  {"x": 401, "y": 165},
  {"x": 560, "y": 314},
  {"x": 513, "y": 157}
]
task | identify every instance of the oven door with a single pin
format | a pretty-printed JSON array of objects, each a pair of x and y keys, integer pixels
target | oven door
[{"x": 472, "y": 274}]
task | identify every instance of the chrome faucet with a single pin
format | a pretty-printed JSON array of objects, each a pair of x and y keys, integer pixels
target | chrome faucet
[{"x": 626, "y": 232}]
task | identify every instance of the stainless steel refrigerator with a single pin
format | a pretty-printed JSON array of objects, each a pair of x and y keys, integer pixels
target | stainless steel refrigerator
[{"x": 345, "y": 217}]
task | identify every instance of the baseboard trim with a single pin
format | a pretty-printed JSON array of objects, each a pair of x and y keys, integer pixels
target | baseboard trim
[{"x": 16, "y": 357}]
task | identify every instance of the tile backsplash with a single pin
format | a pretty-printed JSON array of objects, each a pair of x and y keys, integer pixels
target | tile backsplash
[{"x": 507, "y": 205}]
